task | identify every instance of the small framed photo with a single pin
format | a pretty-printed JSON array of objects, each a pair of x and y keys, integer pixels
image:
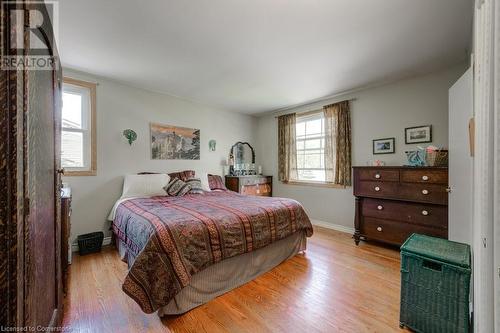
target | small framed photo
[
  {"x": 418, "y": 134},
  {"x": 384, "y": 146}
]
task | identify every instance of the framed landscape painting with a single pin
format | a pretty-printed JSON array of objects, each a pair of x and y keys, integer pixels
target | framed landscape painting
[
  {"x": 384, "y": 146},
  {"x": 170, "y": 142},
  {"x": 418, "y": 134}
]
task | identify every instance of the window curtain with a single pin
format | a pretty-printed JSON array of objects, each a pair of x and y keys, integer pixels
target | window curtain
[
  {"x": 287, "y": 148},
  {"x": 338, "y": 143}
]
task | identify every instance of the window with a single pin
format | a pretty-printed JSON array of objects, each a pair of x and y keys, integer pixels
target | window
[
  {"x": 315, "y": 147},
  {"x": 310, "y": 132},
  {"x": 78, "y": 140}
]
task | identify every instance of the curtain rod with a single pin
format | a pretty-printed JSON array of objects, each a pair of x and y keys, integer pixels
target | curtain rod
[{"x": 314, "y": 111}]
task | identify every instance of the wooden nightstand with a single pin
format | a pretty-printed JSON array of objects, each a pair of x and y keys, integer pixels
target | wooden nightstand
[{"x": 251, "y": 185}]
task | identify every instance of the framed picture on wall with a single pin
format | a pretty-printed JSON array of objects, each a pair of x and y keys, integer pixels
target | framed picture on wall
[
  {"x": 170, "y": 142},
  {"x": 418, "y": 134},
  {"x": 384, "y": 146}
]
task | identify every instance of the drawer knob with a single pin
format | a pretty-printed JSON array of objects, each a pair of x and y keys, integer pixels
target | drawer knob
[
  {"x": 380, "y": 207},
  {"x": 425, "y": 192},
  {"x": 379, "y": 229},
  {"x": 424, "y": 177},
  {"x": 377, "y": 188},
  {"x": 425, "y": 213},
  {"x": 377, "y": 176}
]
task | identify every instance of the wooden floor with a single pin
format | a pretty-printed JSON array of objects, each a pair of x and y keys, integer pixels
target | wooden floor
[{"x": 334, "y": 287}]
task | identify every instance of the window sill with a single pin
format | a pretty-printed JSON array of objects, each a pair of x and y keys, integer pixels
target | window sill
[
  {"x": 315, "y": 184},
  {"x": 68, "y": 173}
]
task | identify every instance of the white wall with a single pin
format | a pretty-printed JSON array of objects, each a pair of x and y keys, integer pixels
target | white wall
[
  {"x": 120, "y": 107},
  {"x": 380, "y": 112}
]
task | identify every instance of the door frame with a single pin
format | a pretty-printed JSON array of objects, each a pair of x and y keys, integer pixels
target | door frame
[
  {"x": 496, "y": 204},
  {"x": 12, "y": 179},
  {"x": 486, "y": 167}
]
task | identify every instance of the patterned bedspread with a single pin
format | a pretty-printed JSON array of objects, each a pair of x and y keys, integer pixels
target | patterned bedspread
[{"x": 175, "y": 237}]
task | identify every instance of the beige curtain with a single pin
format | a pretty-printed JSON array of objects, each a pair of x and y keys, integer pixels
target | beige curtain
[
  {"x": 287, "y": 148},
  {"x": 338, "y": 143}
]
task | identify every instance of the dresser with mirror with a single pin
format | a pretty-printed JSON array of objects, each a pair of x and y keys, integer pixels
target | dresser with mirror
[{"x": 244, "y": 177}]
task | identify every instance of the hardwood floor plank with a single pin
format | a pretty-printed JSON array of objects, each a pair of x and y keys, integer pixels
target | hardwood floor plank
[{"x": 334, "y": 287}]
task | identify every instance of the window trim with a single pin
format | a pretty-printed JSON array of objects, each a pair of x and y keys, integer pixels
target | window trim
[
  {"x": 313, "y": 183},
  {"x": 93, "y": 130}
]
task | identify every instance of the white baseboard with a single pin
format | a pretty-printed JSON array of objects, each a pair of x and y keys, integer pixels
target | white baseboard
[
  {"x": 106, "y": 241},
  {"x": 337, "y": 227}
]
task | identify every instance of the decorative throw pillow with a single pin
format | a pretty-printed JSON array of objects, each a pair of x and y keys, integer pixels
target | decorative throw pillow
[
  {"x": 182, "y": 175},
  {"x": 196, "y": 187},
  {"x": 177, "y": 188},
  {"x": 216, "y": 183}
]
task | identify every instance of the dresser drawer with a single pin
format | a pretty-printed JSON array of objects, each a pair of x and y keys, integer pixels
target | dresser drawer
[
  {"x": 430, "y": 193},
  {"x": 395, "y": 232},
  {"x": 423, "y": 214},
  {"x": 251, "y": 185},
  {"x": 378, "y": 174},
  {"x": 376, "y": 189},
  {"x": 425, "y": 176},
  {"x": 258, "y": 189},
  {"x": 253, "y": 180}
]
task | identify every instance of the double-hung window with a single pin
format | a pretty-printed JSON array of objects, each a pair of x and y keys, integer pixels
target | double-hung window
[
  {"x": 78, "y": 139},
  {"x": 310, "y": 139}
]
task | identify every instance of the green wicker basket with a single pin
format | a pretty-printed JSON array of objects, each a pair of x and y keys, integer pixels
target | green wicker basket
[{"x": 435, "y": 281}]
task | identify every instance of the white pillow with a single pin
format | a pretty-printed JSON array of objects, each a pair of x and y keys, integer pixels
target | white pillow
[
  {"x": 144, "y": 185},
  {"x": 204, "y": 181}
]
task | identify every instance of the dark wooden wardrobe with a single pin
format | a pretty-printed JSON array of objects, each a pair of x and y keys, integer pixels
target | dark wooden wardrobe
[{"x": 30, "y": 232}]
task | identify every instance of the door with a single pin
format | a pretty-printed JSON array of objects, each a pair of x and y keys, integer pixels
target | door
[
  {"x": 460, "y": 159},
  {"x": 30, "y": 284},
  {"x": 42, "y": 299}
]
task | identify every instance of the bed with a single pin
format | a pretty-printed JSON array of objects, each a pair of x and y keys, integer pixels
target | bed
[{"x": 184, "y": 251}]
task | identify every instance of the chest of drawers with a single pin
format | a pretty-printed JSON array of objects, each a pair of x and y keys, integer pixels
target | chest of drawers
[{"x": 394, "y": 202}]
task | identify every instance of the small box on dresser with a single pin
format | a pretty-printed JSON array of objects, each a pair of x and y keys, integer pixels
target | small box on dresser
[
  {"x": 394, "y": 202},
  {"x": 251, "y": 185}
]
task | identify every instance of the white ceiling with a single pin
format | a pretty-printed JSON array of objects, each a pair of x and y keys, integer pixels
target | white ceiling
[{"x": 261, "y": 55}]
